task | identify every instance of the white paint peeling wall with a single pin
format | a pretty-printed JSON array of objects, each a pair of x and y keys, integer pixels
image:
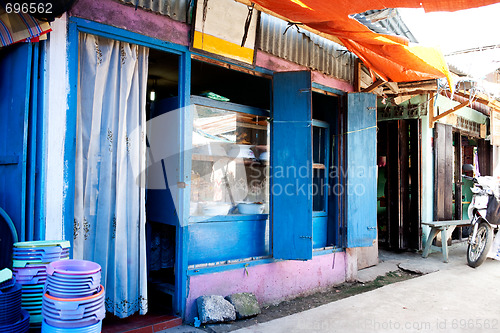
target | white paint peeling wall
[
  {"x": 496, "y": 161},
  {"x": 57, "y": 105},
  {"x": 427, "y": 167}
]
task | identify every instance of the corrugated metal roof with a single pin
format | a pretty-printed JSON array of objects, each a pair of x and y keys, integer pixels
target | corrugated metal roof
[
  {"x": 175, "y": 9},
  {"x": 392, "y": 25},
  {"x": 305, "y": 48}
]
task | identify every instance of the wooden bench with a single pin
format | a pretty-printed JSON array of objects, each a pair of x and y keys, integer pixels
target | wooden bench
[{"x": 443, "y": 226}]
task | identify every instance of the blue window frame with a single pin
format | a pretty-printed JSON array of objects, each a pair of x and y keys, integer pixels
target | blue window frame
[
  {"x": 320, "y": 167},
  {"x": 77, "y": 25}
]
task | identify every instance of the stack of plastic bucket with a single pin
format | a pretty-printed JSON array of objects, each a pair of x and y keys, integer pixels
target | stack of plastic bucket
[
  {"x": 12, "y": 317},
  {"x": 74, "y": 298},
  {"x": 30, "y": 260}
]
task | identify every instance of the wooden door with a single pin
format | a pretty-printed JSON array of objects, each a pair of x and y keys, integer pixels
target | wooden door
[
  {"x": 443, "y": 172},
  {"x": 403, "y": 184}
]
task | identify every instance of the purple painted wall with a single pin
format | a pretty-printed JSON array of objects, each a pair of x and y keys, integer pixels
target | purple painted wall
[
  {"x": 164, "y": 28},
  {"x": 270, "y": 283},
  {"x": 126, "y": 17}
]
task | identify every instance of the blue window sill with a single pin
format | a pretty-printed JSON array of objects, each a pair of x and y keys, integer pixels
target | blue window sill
[{"x": 226, "y": 218}]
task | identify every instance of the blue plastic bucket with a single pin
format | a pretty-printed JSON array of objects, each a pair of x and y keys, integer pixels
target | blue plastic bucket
[
  {"x": 20, "y": 326},
  {"x": 10, "y": 309}
]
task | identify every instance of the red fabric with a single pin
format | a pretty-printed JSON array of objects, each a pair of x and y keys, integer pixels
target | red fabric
[{"x": 388, "y": 56}]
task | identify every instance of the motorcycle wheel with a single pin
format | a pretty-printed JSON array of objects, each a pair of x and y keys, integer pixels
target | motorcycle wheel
[{"x": 476, "y": 254}]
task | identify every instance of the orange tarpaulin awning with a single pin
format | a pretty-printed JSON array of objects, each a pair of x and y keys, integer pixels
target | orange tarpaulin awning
[{"x": 389, "y": 56}]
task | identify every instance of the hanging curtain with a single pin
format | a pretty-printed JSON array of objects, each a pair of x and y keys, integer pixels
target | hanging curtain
[{"x": 109, "y": 225}]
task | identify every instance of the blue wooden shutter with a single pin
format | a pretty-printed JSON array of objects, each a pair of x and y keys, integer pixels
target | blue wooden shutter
[
  {"x": 15, "y": 75},
  {"x": 361, "y": 189},
  {"x": 291, "y": 166}
]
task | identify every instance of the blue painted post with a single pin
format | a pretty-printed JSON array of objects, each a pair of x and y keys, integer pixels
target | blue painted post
[
  {"x": 31, "y": 148},
  {"x": 182, "y": 239},
  {"x": 41, "y": 145},
  {"x": 70, "y": 138}
]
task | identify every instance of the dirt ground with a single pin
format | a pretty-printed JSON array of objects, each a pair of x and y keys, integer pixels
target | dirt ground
[{"x": 300, "y": 304}]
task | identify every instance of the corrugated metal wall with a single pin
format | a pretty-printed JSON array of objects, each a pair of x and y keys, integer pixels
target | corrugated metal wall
[
  {"x": 305, "y": 48},
  {"x": 175, "y": 9}
]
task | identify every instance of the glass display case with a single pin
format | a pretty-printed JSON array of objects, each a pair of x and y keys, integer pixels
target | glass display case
[{"x": 230, "y": 162}]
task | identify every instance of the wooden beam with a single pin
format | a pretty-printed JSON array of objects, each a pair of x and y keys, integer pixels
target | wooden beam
[
  {"x": 357, "y": 75},
  {"x": 456, "y": 108},
  {"x": 230, "y": 66},
  {"x": 429, "y": 84},
  {"x": 431, "y": 110},
  {"x": 482, "y": 99},
  {"x": 411, "y": 93},
  {"x": 324, "y": 92},
  {"x": 374, "y": 85},
  {"x": 393, "y": 86}
]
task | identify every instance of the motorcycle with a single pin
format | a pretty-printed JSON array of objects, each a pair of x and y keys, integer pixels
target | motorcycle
[{"x": 484, "y": 216}]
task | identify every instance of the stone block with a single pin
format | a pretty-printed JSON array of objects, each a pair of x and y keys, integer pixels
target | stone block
[
  {"x": 214, "y": 309},
  {"x": 245, "y": 305}
]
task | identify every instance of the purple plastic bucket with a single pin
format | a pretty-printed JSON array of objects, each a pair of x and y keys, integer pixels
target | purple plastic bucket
[
  {"x": 58, "y": 303},
  {"x": 78, "y": 309},
  {"x": 30, "y": 271},
  {"x": 94, "y": 328},
  {"x": 65, "y": 294},
  {"x": 91, "y": 282},
  {"x": 98, "y": 310},
  {"x": 35, "y": 280},
  {"x": 76, "y": 323},
  {"x": 72, "y": 267}
]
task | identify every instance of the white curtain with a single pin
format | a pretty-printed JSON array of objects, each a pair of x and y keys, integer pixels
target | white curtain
[{"x": 109, "y": 225}]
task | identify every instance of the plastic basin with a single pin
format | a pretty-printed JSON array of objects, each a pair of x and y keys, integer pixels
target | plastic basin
[
  {"x": 72, "y": 303},
  {"x": 98, "y": 310},
  {"x": 76, "y": 323},
  {"x": 73, "y": 267},
  {"x": 94, "y": 328},
  {"x": 44, "y": 243}
]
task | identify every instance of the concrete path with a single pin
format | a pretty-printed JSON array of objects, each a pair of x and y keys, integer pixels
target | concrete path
[
  {"x": 413, "y": 261},
  {"x": 451, "y": 297},
  {"x": 455, "y": 299}
]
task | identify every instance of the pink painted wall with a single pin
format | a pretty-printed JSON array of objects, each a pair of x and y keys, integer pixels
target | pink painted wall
[
  {"x": 126, "y": 17},
  {"x": 271, "y": 283},
  {"x": 271, "y": 62}
]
